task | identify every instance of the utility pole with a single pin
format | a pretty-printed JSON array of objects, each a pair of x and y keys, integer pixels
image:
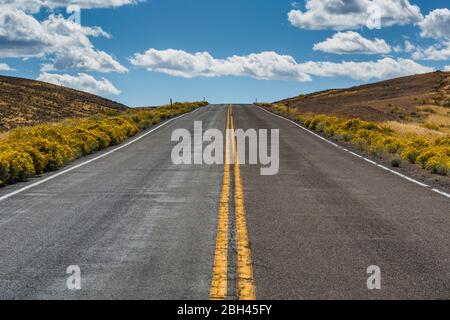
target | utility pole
[
  {"x": 171, "y": 104},
  {"x": 289, "y": 106}
]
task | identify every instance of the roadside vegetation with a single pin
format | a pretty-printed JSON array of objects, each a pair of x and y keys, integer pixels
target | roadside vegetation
[
  {"x": 424, "y": 141},
  {"x": 29, "y": 151}
]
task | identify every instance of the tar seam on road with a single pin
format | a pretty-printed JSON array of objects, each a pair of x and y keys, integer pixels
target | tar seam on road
[
  {"x": 219, "y": 284},
  {"x": 9, "y": 195},
  {"x": 245, "y": 288},
  {"x": 361, "y": 157},
  {"x": 245, "y": 284}
]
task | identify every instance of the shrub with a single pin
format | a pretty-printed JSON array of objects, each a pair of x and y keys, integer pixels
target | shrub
[
  {"x": 433, "y": 157},
  {"x": 15, "y": 166},
  {"x": 4, "y": 168},
  {"x": 40, "y": 160},
  {"x": 445, "y": 141},
  {"x": 48, "y": 147},
  {"x": 85, "y": 142},
  {"x": 361, "y": 143},
  {"x": 392, "y": 145},
  {"x": 314, "y": 122},
  {"x": 381, "y": 140},
  {"x": 301, "y": 119},
  {"x": 442, "y": 169},
  {"x": 321, "y": 126},
  {"x": 396, "y": 162},
  {"x": 376, "y": 151},
  {"x": 352, "y": 125},
  {"x": 413, "y": 149}
]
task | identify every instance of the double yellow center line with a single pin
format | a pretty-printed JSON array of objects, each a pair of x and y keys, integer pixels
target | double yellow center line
[{"x": 245, "y": 288}]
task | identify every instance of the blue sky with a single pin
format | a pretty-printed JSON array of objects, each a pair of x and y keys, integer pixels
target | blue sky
[{"x": 143, "y": 53}]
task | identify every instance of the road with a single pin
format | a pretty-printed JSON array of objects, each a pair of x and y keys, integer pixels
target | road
[{"x": 141, "y": 227}]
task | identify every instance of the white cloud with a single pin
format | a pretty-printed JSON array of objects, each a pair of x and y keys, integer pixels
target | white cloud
[
  {"x": 447, "y": 68},
  {"x": 354, "y": 14},
  {"x": 85, "y": 58},
  {"x": 369, "y": 70},
  {"x": 86, "y": 4},
  {"x": 65, "y": 42},
  {"x": 21, "y": 35},
  {"x": 436, "y": 52},
  {"x": 436, "y": 24},
  {"x": 265, "y": 65},
  {"x": 351, "y": 42},
  {"x": 33, "y": 6},
  {"x": 5, "y": 67},
  {"x": 269, "y": 66},
  {"x": 408, "y": 47},
  {"x": 83, "y": 82}
]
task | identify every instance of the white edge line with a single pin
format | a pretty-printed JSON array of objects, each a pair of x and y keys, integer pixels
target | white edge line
[
  {"x": 441, "y": 192},
  {"x": 359, "y": 156},
  {"x": 9, "y": 195}
]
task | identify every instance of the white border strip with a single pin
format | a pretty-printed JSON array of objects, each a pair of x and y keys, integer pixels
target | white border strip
[
  {"x": 9, "y": 195},
  {"x": 359, "y": 156}
]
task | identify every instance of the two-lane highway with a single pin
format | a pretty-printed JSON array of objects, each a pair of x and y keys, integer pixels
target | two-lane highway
[{"x": 141, "y": 227}]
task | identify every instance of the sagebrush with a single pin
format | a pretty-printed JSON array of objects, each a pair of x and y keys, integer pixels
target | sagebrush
[
  {"x": 431, "y": 153},
  {"x": 34, "y": 150}
]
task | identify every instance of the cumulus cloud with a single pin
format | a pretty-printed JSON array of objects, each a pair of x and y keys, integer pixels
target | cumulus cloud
[
  {"x": 82, "y": 81},
  {"x": 369, "y": 70},
  {"x": 351, "y": 42},
  {"x": 265, "y": 65},
  {"x": 66, "y": 42},
  {"x": 33, "y": 6},
  {"x": 5, "y": 67},
  {"x": 85, "y": 58},
  {"x": 21, "y": 35},
  {"x": 354, "y": 14},
  {"x": 436, "y": 52},
  {"x": 436, "y": 24},
  {"x": 408, "y": 47},
  {"x": 269, "y": 66},
  {"x": 447, "y": 68}
]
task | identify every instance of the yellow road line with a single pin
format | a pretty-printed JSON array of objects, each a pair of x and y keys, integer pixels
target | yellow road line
[
  {"x": 245, "y": 284},
  {"x": 245, "y": 287},
  {"x": 220, "y": 269}
]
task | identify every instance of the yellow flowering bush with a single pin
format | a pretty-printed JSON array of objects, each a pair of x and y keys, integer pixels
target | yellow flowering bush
[
  {"x": 34, "y": 150},
  {"x": 380, "y": 141}
]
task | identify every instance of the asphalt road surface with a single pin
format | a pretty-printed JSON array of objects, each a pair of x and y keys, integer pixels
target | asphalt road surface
[{"x": 141, "y": 227}]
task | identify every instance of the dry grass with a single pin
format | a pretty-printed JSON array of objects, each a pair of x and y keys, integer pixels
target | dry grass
[
  {"x": 3, "y": 135},
  {"x": 391, "y": 100},
  {"x": 406, "y": 130},
  {"x": 434, "y": 122},
  {"x": 439, "y": 119},
  {"x": 27, "y": 102},
  {"x": 435, "y": 118}
]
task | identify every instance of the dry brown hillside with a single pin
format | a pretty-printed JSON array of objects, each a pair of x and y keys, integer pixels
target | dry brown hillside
[
  {"x": 26, "y": 102},
  {"x": 395, "y": 99}
]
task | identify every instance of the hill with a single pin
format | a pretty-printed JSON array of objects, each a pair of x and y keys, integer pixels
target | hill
[
  {"x": 395, "y": 99},
  {"x": 26, "y": 102}
]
